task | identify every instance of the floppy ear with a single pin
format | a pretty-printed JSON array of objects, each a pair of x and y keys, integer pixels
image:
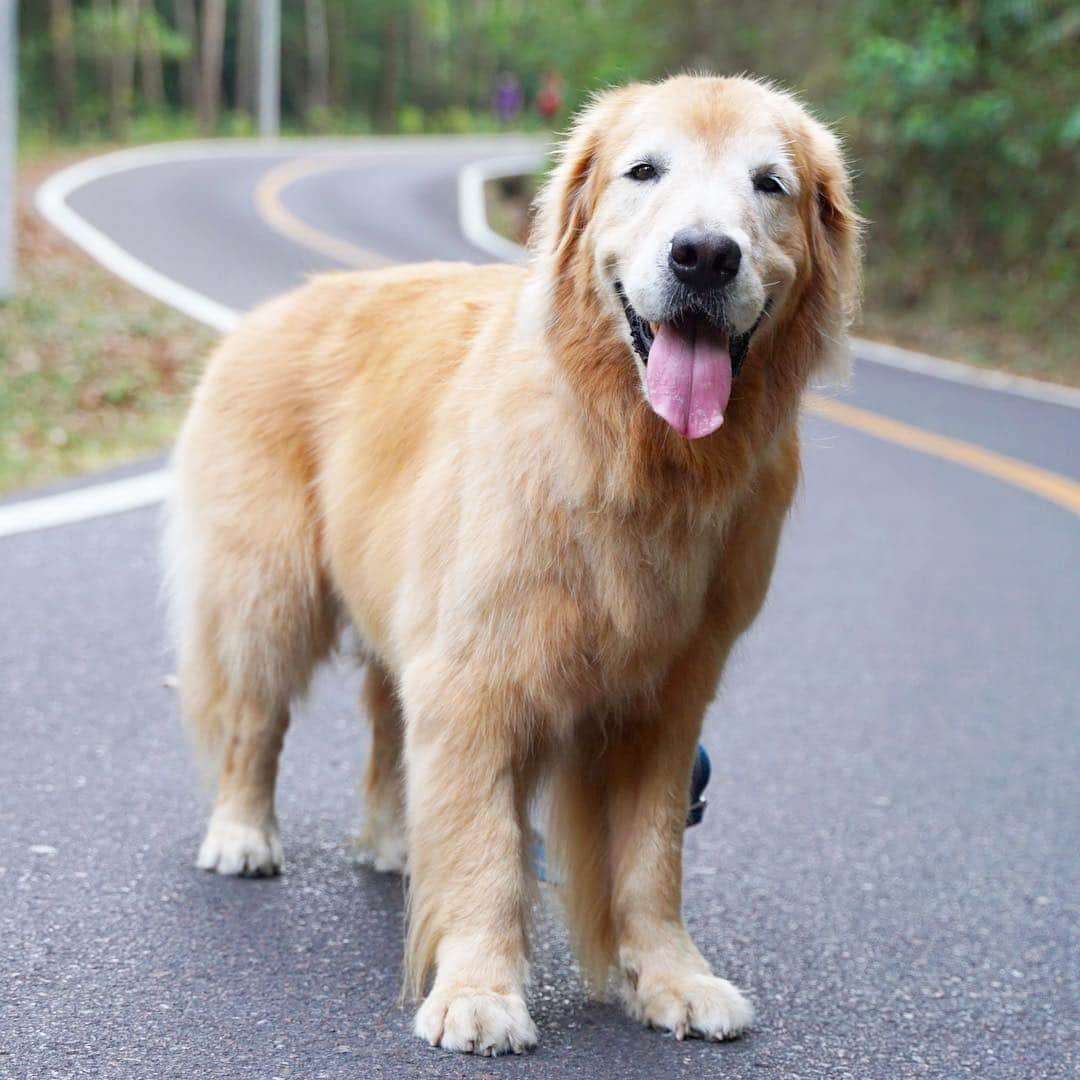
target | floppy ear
[
  {"x": 565, "y": 204},
  {"x": 835, "y": 232}
]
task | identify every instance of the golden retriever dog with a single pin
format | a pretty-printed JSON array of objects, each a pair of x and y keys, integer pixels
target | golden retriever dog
[{"x": 547, "y": 500}]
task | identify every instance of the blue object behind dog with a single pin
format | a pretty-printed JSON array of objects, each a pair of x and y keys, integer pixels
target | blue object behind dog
[{"x": 699, "y": 780}]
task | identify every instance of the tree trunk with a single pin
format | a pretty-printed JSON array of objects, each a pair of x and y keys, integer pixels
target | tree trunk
[
  {"x": 318, "y": 51},
  {"x": 420, "y": 62},
  {"x": 103, "y": 46},
  {"x": 188, "y": 24},
  {"x": 153, "y": 78},
  {"x": 338, "y": 21},
  {"x": 62, "y": 32},
  {"x": 126, "y": 29},
  {"x": 386, "y": 86},
  {"x": 211, "y": 53},
  {"x": 244, "y": 87}
]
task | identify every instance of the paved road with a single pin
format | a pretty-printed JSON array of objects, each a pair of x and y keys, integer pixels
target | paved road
[{"x": 889, "y": 863}]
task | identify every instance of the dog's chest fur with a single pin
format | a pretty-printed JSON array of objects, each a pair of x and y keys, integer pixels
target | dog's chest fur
[
  {"x": 641, "y": 590},
  {"x": 565, "y": 604}
]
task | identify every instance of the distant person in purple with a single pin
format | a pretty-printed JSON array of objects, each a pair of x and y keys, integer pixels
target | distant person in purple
[{"x": 507, "y": 97}]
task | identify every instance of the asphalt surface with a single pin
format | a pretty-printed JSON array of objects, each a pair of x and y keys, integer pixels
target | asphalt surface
[{"x": 889, "y": 862}]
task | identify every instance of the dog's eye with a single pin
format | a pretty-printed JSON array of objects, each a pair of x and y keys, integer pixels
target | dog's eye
[
  {"x": 643, "y": 170},
  {"x": 769, "y": 184}
]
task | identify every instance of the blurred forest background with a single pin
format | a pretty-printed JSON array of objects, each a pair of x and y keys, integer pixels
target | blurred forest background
[{"x": 962, "y": 118}]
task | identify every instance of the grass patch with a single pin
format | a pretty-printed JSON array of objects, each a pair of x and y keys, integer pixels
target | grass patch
[
  {"x": 92, "y": 372},
  {"x": 981, "y": 318}
]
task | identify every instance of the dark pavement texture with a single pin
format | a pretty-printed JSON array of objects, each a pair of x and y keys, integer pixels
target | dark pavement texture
[{"x": 888, "y": 863}]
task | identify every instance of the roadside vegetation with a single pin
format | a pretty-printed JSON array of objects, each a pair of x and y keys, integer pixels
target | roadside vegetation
[
  {"x": 962, "y": 122},
  {"x": 92, "y": 372}
]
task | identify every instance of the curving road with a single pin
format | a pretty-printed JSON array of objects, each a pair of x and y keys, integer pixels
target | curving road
[{"x": 890, "y": 860}]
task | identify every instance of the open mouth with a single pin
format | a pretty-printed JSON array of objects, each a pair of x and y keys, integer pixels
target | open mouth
[{"x": 690, "y": 362}]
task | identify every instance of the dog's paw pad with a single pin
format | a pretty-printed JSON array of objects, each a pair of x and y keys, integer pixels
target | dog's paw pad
[
  {"x": 476, "y": 1022},
  {"x": 700, "y": 1006},
  {"x": 239, "y": 849}
]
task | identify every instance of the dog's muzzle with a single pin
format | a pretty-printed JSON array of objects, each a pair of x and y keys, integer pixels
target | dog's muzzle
[
  {"x": 691, "y": 359},
  {"x": 641, "y": 332}
]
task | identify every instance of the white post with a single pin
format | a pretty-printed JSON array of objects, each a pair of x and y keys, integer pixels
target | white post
[
  {"x": 269, "y": 67},
  {"x": 8, "y": 106}
]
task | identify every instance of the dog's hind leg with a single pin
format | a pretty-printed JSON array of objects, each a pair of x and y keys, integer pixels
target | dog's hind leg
[
  {"x": 242, "y": 834},
  {"x": 381, "y": 842},
  {"x": 577, "y": 849},
  {"x": 252, "y": 617}
]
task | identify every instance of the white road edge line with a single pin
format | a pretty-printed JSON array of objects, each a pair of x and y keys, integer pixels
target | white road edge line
[
  {"x": 472, "y": 204},
  {"x": 879, "y": 352},
  {"x": 51, "y": 202},
  {"x": 474, "y": 224},
  {"x": 97, "y": 500}
]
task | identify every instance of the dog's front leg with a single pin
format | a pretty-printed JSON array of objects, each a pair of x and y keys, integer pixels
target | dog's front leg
[
  {"x": 666, "y": 982},
  {"x": 468, "y": 889}
]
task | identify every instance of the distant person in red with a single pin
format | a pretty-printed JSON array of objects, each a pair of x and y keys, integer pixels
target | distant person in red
[
  {"x": 549, "y": 98},
  {"x": 507, "y": 97}
]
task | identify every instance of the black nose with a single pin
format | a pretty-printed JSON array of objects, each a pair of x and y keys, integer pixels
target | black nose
[{"x": 704, "y": 260}]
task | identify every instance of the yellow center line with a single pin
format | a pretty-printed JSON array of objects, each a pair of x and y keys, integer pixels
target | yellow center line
[
  {"x": 269, "y": 206},
  {"x": 1047, "y": 485},
  {"x": 1052, "y": 486}
]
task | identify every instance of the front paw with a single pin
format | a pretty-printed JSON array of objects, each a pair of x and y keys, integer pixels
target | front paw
[
  {"x": 240, "y": 848},
  {"x": 697, "y": 1005},
  {"x": 476, "y": 1021}
]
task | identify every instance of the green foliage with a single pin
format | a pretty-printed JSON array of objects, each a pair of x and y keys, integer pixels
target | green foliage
[
  {"x": 410, "y": 120},
  {"x": 101, "y": 32},
  {"x": 964, "y": 119},
  {"x": 91, "y": 371}
]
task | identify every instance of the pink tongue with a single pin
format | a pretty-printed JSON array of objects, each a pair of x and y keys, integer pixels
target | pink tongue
[{"x": 689, "y": 377}]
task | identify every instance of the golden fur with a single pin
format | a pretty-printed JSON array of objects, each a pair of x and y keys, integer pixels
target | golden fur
[{"x": 459, "y": 462}]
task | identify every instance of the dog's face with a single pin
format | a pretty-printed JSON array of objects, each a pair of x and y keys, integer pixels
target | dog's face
[{"x": 701, "y": 210}]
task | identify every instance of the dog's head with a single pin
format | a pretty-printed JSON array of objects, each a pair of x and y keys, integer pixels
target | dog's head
[{"x": 702, "y": 216}]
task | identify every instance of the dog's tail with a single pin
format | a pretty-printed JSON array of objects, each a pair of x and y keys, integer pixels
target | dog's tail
[
  {"x": 577, "y": 852},
  {"x": 200, "y": 682}
]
